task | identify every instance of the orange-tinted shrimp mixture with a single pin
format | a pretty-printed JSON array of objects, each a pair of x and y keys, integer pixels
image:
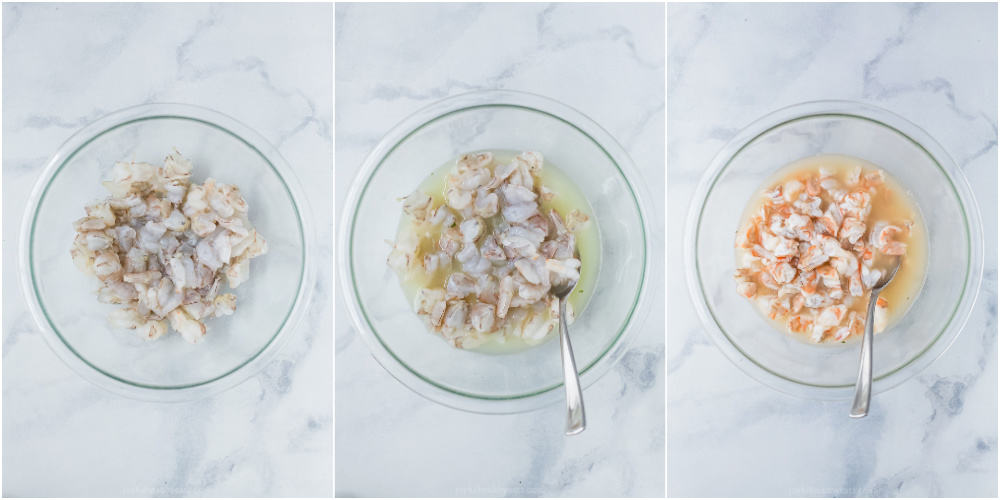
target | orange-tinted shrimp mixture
[{"x": 812, "y": 251}]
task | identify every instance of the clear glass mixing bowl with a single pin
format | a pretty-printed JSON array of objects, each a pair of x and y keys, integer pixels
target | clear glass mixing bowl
[
  {"x": 63, "y": 300},
  {"x": 955, "y": 256},
  {"x": 492, "y": 120}
]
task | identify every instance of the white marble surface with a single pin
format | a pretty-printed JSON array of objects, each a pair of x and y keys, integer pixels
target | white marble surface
[
  {"x": 606, "y": 61},
  {"x": 265, "y": 65},
  {"x": 935, "y": 64}
]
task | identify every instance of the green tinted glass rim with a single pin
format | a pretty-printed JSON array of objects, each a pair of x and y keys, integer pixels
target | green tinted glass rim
[
  {"x": 621, "y": 330},
  {"x": 951, "y": 185},
  {"x": 41, "y": 303}
]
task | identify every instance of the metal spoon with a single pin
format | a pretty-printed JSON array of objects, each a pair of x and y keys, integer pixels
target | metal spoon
[
  {"x": 576, "y": 421},
  {"x": 863, "y": 388}
]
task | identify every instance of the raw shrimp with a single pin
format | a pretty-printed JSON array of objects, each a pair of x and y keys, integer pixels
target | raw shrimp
[
  {"x": 161, "y": 244},
  {"x": 488, "y": 251}
]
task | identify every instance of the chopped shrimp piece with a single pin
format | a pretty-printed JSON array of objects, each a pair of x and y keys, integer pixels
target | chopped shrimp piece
[
  {"x": 791, "y": 190},
  {"x": 831, "y": 317},
  {"x": 870, "y": 277},
  {"x": 455, "y": 314},
  {"x": 471, "y": 229},
  {"x": 844, "y": 263},
  {"x": 827, "y": 224},
  {"x": 800, "y": 323},
  {"x": 873, "y": 179},
  {"x": 812, "y": 187},
  {"x": 855, "y": 285},
  {"x": 482, "y": 317},
  {"x": 774, "y": 196},
  {"x": 809, "y": 285},
  {"x": 191, "y": 329},
  {"x": 761, "y": 252},
  {"x": 767, "y": 280},
  {"x": 809, "y": 205},
  {"x": 864, "y": 254},
  {"x": 427, "y": 298},
  {"x": 749, "y": 235},
  {"x": 533, "y": 270},
  {"x": 798, "y": 302},
  {"x": 854, "y": 177},
  {"x": 857, "y": 204},
  {"x": 520, "y": 212},
  {"x": 575, "y": 219},
  {"x": 450, "y": 241},
  {"x": 441, "y": 216},
  {"x": 505, "y": 295},
  {"x": 416, "y": 204},
  {"x": 486, "y": 204},
  {"x": 532, "y": 160},
  {"x": 852, "y": 229},
  {"x": 437, "y": 312},
  {"x": 458, "y": 199},
  {"x": 799, "y": 226},
  {"x": 831, "y": 280},
  {"x": 469, "y": 180},
  {"x": 779, "y": 307},
  {"x": 782, "y": 272},
  {"x": 563, "y": 270},
  {"x": 514, "y": 195},
  {"x": 855, "y": 326},
  {"x": 459, "y": 285},
  {"x": 474, "y": 161},
  {"x": 812, "y": 258},
  {"x": 491, "y": 249},
  {"x": 882, "y": 239},
  {"x": 779, "y": 245}
]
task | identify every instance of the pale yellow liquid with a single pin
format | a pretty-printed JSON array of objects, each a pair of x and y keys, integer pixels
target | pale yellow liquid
[
  {"x": 567, "y": 198},
  {"x": 892, "y": 204}
]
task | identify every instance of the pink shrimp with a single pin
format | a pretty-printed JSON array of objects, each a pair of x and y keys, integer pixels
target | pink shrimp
[
  {"x": 800, "y": 323},
  {"x": 886, "y": 244}
]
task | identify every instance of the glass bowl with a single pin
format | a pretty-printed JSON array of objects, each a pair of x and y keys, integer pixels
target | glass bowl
[
  {"x": 493, "y": 120},
  {"x": 955, "y": 252},
  {"x": 63, "y": 300}
]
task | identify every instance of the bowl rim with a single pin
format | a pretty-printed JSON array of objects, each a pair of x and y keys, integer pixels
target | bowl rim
[
  {"x": 403, "y": 130},
  {"x": 908, "y": 131},
  {"x": 87, "y": 135}
]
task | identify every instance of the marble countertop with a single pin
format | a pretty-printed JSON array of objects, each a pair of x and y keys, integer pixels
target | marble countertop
[
  {"x": 935, "y": 64},
  {"x": 265, "y": 65},
  {"x": 606, "y": 61}
]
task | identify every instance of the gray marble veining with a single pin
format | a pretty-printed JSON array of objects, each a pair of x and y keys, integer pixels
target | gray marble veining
[
  {"x": 608, "y": 62},
  {"x": 935, "y": 64},
  {"x": 268, "y": 66}
]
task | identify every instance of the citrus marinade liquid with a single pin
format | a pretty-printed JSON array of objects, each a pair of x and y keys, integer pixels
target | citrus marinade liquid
[
  {"x": 567, "y": 198},
  {"x": 891, "y": 203}
]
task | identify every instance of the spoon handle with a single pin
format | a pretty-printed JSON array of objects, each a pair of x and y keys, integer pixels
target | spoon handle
[
  {"x": 576, "y": 421},
  {"x": 863, "y": 388}
]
